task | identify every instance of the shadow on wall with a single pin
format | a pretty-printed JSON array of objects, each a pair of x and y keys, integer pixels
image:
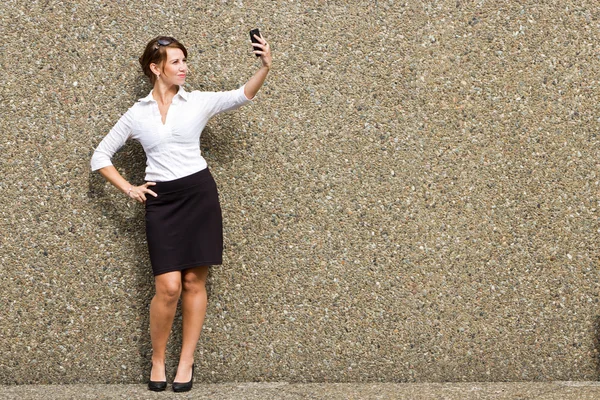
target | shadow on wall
[{"x": 130, "y": 161}]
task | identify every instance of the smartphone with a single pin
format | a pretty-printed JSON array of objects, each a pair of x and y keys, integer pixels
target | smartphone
[{"x": 254, "y": 40}]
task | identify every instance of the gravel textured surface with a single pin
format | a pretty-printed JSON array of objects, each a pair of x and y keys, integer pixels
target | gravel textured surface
[
  {"x": 284, "y": 391},
  {"x": 412, "y": 197}
]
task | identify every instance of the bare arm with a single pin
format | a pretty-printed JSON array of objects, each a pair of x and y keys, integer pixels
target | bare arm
[
  {"x": 137, "y": 193},
  {"x": 256, "y": 81}
]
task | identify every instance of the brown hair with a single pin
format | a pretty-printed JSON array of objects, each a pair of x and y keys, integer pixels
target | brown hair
[{"x": 156, "y": 52}]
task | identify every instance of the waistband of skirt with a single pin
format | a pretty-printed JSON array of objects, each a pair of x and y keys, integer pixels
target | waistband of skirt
[{"x": 183, "y": 183}]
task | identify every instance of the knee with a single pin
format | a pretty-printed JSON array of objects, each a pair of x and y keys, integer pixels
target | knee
[
  {"x": 169, "y": 292},
  {"x": 192, "y": 284}
]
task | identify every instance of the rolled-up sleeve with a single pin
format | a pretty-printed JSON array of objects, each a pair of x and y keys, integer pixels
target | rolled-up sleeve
[
  {"x": 218, "y": 102},
  {"x": 112, "y": 142}
]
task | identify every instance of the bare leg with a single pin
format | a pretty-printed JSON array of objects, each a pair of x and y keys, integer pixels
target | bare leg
[
  {"x": 162, "y": 313},
  {"x": 193, "y": 309}
]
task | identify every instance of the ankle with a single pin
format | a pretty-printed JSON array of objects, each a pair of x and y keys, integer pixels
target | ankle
[
  {"x": 158, "y": 365},
  {"x": 158, "y": 360},
  {"x": 186, "y": 362}
]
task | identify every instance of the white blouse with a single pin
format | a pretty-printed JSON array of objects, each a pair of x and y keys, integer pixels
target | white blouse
[{"x": 173, "y": 148}]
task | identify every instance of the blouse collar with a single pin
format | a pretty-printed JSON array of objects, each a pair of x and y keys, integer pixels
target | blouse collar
[{"x": 180, "y": 93}]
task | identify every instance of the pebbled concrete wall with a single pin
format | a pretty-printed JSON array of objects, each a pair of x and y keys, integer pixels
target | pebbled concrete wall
[{"x": 412, "y": 197}]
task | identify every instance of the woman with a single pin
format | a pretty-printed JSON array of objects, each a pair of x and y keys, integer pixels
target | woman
[{"x": 183, "y": 215}]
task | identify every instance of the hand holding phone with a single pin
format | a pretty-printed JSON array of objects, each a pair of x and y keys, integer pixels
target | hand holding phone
[{"x": 255, "y": 40}]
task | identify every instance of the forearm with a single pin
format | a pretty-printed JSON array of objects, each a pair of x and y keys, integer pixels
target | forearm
[
  {"x": 111, "y": 174},
  {"x": 256, "y": 81}
]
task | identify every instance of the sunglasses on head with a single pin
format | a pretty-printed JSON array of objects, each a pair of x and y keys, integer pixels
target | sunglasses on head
[{"x": 164, "y": 42}]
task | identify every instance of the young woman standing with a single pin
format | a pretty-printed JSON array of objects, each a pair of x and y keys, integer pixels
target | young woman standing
[{"x": 183, "y": 215}]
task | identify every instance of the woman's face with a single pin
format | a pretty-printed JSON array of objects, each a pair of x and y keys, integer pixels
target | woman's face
[{"x": 174, "y": 69}]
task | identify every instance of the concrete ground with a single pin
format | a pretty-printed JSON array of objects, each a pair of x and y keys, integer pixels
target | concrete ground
[{"x": 333, "y": 391}]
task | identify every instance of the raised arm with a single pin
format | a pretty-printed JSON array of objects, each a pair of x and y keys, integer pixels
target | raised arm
[{"x": 256, "y": 81}]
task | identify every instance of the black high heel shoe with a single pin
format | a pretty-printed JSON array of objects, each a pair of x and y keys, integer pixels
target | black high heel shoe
[
  {"x": 186, "y": 386},
  {"x": 157, "y": 386}
]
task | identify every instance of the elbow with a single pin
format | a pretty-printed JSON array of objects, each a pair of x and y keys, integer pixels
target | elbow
[
  {"x": 99, "y": 161},
  {"x": 249, "y": 95}
]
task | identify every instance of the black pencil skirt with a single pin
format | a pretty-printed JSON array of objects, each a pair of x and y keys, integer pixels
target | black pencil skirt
[{"x": 184, "y": 226}]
